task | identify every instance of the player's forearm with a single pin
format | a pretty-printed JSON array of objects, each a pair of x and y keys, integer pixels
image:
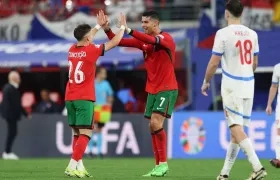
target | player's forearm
[
  {"x": 272, "y": 94},
  {"x": 255, "y": 63},
  {"x": 125, "y": 42},
  {"x": 109, "y": 33},
  {"x": 147, "y": 38},
  {"x": 116, "y": 39},
  {"x": 210, "y": 71},
  {"x": 141, "y": 36},
  {"x": 95, "y": 30}
]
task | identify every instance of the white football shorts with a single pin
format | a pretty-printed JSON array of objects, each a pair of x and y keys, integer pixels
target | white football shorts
[{"x": 237, "y": 110}]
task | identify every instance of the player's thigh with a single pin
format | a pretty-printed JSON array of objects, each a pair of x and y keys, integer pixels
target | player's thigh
[
  {"x": 71, "y": 113},
  {"x": 165, "y": 102},
  {"x": 84, "y": 113},
  {"x": 151, "y": 99},
  {"x": 247, "y": 110},
  {"x": 233, "y": 108}
]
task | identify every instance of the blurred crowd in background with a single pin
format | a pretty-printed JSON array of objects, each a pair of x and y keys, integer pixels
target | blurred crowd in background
[{"x": 56, "y": 10}]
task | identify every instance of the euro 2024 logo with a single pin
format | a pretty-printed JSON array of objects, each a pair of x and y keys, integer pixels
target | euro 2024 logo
[{"x": 192, "y": 136}]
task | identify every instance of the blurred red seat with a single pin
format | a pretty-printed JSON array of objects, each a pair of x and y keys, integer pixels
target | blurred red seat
[{"x": 27, "y": 101}]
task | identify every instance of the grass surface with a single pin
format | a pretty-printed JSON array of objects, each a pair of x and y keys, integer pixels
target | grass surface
[{"x": 126, "y": 169}]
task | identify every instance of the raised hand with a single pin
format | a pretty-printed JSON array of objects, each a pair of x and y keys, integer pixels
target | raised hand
[
  {"x": 101, "y": 20},
  {"x": 268, "y": 110},
  {"x": 122, "y": 20}
]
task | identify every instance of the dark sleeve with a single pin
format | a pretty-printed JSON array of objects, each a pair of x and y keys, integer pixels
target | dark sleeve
[
  {"x": 157, "y": 40},
  {"x": 126, "y": 42},
  {"x": 6, "y": 94}
]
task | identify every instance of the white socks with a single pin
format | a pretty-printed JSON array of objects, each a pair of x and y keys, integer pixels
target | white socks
[
  {"x": 232, "y": 153},
  {"x": 248, "y": 149},
  {"x": 80, "y": 165},
  {"x": 72, "y": 164},
  {"x": 277, "y": 147}
]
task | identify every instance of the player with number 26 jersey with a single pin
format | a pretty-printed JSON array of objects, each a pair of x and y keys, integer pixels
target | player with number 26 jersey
[
  {"x": 82, "y": 60},
  {"x": 237, "y": 44}
]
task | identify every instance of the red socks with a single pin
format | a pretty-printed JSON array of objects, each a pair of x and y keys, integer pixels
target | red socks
[
  {"x": 75, "y": 138},
  {"x": 80, "y": 147},
  {"x": 155, "y": 148},
  {"x": 160, "y": 138}
]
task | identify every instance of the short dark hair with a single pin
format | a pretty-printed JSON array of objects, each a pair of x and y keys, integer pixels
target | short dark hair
[
  {"x": 152, "y": 14},
  {"x": 81, "y": 30},
  {"x": 235, "y": 7},
  {"x": 99, "y": 69}
]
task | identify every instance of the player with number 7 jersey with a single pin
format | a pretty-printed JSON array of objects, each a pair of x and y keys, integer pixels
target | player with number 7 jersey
[{"x": 80, "y": 90}]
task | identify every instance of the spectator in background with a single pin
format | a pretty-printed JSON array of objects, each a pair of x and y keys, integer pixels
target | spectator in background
[
  {"x": 46, "y": 105},
  {"x": 7, "y": 8},
  {"x": 12, "y": 110},
  {"x": 126, "y": 96},
  {"x": 136, "y": 9},
  {"x": 102, "y": 108}
]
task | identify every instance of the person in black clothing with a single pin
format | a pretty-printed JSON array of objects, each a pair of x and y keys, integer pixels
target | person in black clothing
[
  {"x": 11, "y": 111},
  {"x": 46, "y": 105}
]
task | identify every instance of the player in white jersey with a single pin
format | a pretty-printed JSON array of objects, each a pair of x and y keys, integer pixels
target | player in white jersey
[
  {"x": 236, "y": 46},
  {"x": 272, "y": 92}
]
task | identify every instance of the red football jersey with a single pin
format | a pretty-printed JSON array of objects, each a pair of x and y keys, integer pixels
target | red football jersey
[
  {"x": 159, "y": 62},
  {"x": 82, "y": 60},
  {"x": 159, "y": 54}
]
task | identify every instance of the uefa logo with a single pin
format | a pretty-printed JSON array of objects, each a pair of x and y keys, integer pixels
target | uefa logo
[{"x": 192, "y": 136}]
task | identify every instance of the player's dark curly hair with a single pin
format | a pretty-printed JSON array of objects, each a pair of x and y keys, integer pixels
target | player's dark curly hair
[
  {"x": 235, "y": 7},
  {"x": 152, "y": 14},
  {"x": 81, "y": 30}
]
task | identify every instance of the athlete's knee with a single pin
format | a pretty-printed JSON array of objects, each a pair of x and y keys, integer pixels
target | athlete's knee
[
  {"x": 150, "y": 127},
  {"x": 87, "y": 132},
  {"x": 156, "y": 121},
  {"x": 237, "y": 133},
  {"x": 76, "y": 131},
  {"x": 233, "y": 139}
]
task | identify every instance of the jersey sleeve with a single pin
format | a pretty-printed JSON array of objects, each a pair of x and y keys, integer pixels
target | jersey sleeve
[
  {"x": 100, "y": 49},
  {"x": 96, "y": 50},
  {"x": 219, "y": 44},
  {"x": 126, "y": 42},
  {"x": 257, "y": 48},
  {"x": 156, "y": 40},
  {"x": 275, "y": 77}
]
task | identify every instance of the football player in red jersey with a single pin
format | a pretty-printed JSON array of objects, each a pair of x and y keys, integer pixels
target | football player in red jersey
[
  {"x": 80, "y": 92},
  {"x": 159, "y": 52}
]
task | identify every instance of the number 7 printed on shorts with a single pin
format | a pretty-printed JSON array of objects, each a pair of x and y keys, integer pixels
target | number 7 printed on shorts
[{"x": 162, "y": 99}]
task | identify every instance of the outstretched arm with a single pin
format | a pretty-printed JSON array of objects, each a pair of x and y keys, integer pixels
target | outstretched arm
[
  {"x": 159, "y": 39},
  {"x": 114, "y": 41},
  {"x": 125, "y": 42}
]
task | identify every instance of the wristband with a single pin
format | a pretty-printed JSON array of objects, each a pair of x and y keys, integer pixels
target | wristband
[
  {"x": 122, "y": 27},
  {"x": 128, "y": 30},
  {"x": 204, "y": 81},
  {"x": 97, "y": 26}
]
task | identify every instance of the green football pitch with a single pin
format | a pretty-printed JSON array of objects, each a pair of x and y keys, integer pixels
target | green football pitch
[{"x": 126, "y": 169}]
